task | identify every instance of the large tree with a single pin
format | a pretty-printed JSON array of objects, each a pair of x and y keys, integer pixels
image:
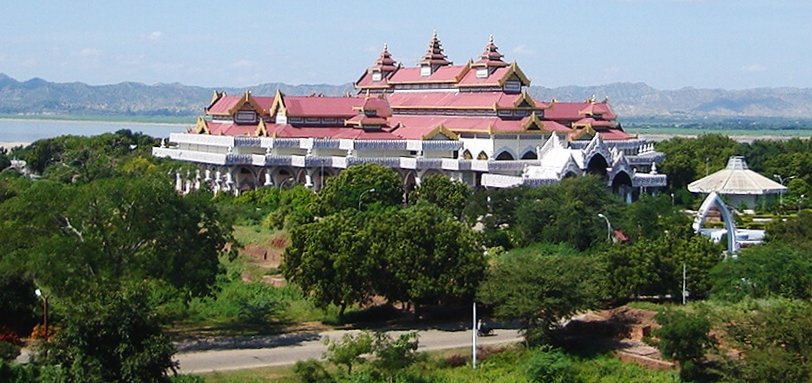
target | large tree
[
  {"x": 450, "y": 195},
  {"x": 110, "y": 335},
  {"x": 362, "y": 186},
  {"x": 431, "y": 257},
  {"x": 329, "y": 260},
  {"x": 69, "y": 237},
  {"x": 541, "y": 290}
]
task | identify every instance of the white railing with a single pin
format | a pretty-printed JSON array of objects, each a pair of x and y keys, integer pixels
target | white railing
[
  {"x": 649, "y": 180},
  {"x": 201, "y": 139},
  {"x": 500, "y": 181},
  {"x": 185, "y": 155}
]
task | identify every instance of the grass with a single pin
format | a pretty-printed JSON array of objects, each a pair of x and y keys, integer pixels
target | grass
[
  {"x": 508, "y": 365},
  {"x": 267, "y": 374}
]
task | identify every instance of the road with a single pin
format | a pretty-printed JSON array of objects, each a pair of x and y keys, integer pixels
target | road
[{"x": 310, "y": 346}]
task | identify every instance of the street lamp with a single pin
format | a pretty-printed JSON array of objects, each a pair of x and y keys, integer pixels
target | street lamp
[
  {"x": 44, "y": 298},
  {"x": 608, "y": 227},
  {"x": 672, "y": 199},
  {"x": 361, "y": 197},
  {"x": 781, "y": 180}
]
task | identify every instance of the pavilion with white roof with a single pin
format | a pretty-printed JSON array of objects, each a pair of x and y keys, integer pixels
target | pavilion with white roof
[{"x": 738, "y": 185}]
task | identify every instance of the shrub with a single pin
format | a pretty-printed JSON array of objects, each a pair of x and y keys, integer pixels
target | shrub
[
  {"x": 547, "y": 366},
  {"x": 311, "y": 371}
]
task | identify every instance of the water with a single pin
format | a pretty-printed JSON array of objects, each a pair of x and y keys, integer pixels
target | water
[{"x": 26, "y": 131}]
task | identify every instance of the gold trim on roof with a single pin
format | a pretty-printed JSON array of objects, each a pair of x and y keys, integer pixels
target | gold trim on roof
[
  {"x": 201, "y": 126},
  {"x": 441, "y": 129},
  {"x": 262, "y": 129}
]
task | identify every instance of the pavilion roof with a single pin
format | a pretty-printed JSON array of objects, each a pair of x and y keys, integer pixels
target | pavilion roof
[
  {"x": 434, "y": 54},
  {"x": 736, "y": 178}
]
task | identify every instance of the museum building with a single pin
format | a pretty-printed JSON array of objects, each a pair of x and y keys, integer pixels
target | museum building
[{"x": 474, "y": 122}]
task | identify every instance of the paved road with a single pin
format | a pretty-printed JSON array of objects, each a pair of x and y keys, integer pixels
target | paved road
[{"x": 311, "y": 346}]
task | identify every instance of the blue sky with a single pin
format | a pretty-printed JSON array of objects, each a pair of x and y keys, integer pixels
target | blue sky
[{"x": 667, "y": 44}]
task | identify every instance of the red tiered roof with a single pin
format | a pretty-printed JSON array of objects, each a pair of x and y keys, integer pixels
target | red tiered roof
[
  {"x": 491, "y": 56},
  {"x": 434, "y": 54},
  {"x": 574, "y": 111}
]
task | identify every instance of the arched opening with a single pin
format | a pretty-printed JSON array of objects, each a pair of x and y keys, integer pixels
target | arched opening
[
  {"x": 466, "y": 155},
  {"x": 283, "y": 178},
  {"x": 622, "y": 185},
  {"x": 320, "y": 177},
  {"x": 482, "y": 156},
  {"x": 245, "y": 179},
  {"x": 530, "y": 155},
  {"x": 409, "y": 184},
  {"x": 597, "y": 165},
  {"x": 570, "y": 174},
  {"x": 505, "y": 156}
]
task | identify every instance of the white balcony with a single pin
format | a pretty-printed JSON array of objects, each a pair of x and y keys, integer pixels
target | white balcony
[{"x": 193, "y": 156}]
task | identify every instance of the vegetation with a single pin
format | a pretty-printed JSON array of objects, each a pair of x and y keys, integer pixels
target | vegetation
[{"x": 122, "y": 257}]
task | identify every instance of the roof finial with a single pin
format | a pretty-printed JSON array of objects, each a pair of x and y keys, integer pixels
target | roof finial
[
  {"x": 385, "y": 47},
  {"x": 490, "y": 39}
]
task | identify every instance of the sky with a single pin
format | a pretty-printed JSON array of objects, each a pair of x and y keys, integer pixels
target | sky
[{"x": 667, "y": 44}]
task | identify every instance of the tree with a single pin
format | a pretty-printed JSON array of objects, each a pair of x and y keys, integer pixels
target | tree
[
  {"x": 775, "y": 341},
  {"x": 450, "y": 195},
  {"x": 770, "y": 270},
  {"x": 346, "y": 190},
  {"x": 684, "y": 337},
  {"x": 110, "y": 336},
  {"x": 69, "y": 237},
  {"x": 349, "y": 350},
  {"x": 328, "y": 259},
  {"x": 541, "y": 290},
  {"x": 430, "y": 257}
]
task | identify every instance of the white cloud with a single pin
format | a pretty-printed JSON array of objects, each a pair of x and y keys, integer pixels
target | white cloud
[
  {"x": 155, "y": 36},
  {"x": 522, "y": 50},
  {"x": 753, "y": 68},
  {"x": 89, "y": 52},
  {"x": 244, "y": 64}
]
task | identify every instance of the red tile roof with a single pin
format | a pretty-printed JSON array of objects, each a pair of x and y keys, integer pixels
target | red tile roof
[
  {"x": 445, "y": 74},
  {"x": 494, "y": 79},
  {"x": 230, "y": 129},
  {"x": 451, "y": 100},
  {"x": 314, "y": 106}
]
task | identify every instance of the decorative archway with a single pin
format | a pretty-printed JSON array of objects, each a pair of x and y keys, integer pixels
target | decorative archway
[
  {"x": 597, "y": 165},
  {"x": 283, "y": 177},
  {"x": 245, "y": 178},
  {"x": 505, "y": 156},
  {"x": 714, "y": 200},
  {"x": 622, "y": 185},
  {"x": 466, "y": 155},
  {"x": 482, "y": 156},
  {"x": 530, "y": 155}
]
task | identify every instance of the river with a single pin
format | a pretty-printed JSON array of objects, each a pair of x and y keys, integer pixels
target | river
[{"x": 17, "y": 131}]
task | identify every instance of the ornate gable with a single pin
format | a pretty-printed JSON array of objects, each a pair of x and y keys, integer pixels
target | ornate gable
[
  {"x": 201, "y": 126},
  {"x": 441, "y": 130}
]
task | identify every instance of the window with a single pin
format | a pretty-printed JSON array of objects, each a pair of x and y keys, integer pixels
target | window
[
  {"x": 425, "y": 70},
  {"x": 376, "y": 76},
  {"x": 482, "y": 73}
]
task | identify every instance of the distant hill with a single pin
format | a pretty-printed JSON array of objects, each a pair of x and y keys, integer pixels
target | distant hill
[{"x": 40, "y": 97}]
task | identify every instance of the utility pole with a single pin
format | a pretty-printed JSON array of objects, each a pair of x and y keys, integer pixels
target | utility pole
[
  {"x": 684, "y": 285},
  {"x": 473, "y": 338}
]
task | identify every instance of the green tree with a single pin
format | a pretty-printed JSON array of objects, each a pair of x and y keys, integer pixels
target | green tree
[
  {"x": 328, "y": 259},
  {"x": 431, "y": 257},
  {"x": 775, "y": 341},
  {"x": 110, "y": 336},
  {"x": 450, "y": 195},
  {"x": 551, "y": 366},
  {"x": 349, "y": 350},
  {"x": 71, "y": 236},
  {"x": 764, "y": 271},
  {"x": 346, "y": 190},
  {"x": 541, "y": 290},
  {"x": 684, "y": 338}
]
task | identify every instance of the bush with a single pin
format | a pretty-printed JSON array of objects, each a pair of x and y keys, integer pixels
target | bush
[
  {"x": 684, "y": 338},
  {"x": 311, "y": 371},
  {"x": 547, "y": 366}
]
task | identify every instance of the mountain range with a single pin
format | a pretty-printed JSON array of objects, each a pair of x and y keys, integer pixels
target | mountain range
[{"x": 40, "y": 97}]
